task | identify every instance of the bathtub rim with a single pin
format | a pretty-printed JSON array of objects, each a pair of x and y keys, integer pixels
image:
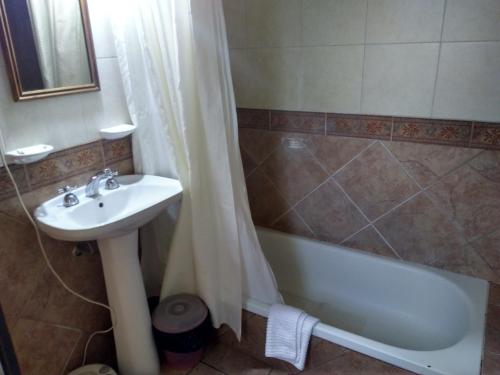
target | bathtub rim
[{"x": 464, "y": 357}]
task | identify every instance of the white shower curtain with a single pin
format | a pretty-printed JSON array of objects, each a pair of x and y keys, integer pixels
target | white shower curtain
[
  {"x": 175, "y": 65},
  {"x": 60, "y": 42}
]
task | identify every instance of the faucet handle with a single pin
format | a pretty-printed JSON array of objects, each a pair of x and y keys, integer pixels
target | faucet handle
[
  {"x": 66, "y": 189},
  {"x": 108, "y": 172}
]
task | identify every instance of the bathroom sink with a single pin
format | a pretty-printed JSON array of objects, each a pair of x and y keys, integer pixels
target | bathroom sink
[
  {"x": 113, "y": 218},
  {"x": 111, "y": 214}
]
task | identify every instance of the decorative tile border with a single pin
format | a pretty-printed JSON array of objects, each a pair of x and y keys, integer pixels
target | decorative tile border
[
  {"x": 377, "y": 127},
  {"x": 420, "y": 130},
  {"x": 118, "y": 150},
  {"x": 64, "y": 164},
  {"x": 253, "y": 118},
  {"x": 456, "y": 133},
  {"x": 6, "y": 187},
  {"x": 485, "y": 135},
  {"x": 300, "y": 122}
]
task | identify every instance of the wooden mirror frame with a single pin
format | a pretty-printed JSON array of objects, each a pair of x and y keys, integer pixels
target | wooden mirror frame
[{"x": 12, "y": 66}]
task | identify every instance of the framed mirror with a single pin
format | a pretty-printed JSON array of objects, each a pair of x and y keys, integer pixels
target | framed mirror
[{"x": 48, "y": 47}]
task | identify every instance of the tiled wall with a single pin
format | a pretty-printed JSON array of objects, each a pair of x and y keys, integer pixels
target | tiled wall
[
  {"x": 425, "y": 58},
  {"x": 395, "y": 151},
  {"x": 49, "y": 326},
  {"x": 70, "y": 120},
  {"x": 434, "y": 204}
]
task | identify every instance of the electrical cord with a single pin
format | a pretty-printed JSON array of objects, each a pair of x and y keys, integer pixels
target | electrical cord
[{"x": 46, "y": 258}]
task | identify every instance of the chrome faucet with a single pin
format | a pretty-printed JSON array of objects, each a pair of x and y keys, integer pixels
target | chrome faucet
[
  {"x": 92, "y": 188},
  {"x": 70, "y": 199}
]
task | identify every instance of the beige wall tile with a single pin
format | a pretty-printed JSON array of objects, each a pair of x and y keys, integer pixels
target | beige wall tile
[
  {"x": 55, "y": 121},
  {"x": 399, "y": 79},
  {"x": 71, "y": 120},
  {"x": 404, "y": 20},
  {"x": 241, "y": 73},
  {"x": 468, "y": 83},
  {"x": 273, "y": 23},
  {"x": 376, "y": 182},
  {"x": 102, "y": 33},
  {"x": 472, "y": 20},
  {"x": 330, "y": 22},
  {"x": 272, "y": 78},
  {"x": 234, "y": 13},
  {"x": 331, "y": 79},
  {"x": 107, "y": 107}
]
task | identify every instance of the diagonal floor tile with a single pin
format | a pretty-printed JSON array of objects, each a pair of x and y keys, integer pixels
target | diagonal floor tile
[
  {"x": 42, "y": 348},
  {"x": 232, "y": 361},
  {"x": 353, "y": 363}
]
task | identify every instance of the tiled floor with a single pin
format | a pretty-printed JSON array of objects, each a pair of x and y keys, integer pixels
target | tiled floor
[
  {"x": 222, "y": 359},
  {"x": 227, "y": 356}
]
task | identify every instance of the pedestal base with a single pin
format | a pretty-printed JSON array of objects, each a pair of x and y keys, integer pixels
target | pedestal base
[{"x": 135, "y": 349}]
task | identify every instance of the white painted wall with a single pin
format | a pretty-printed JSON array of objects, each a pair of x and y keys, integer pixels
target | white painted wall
[
  {"x": 422, "y": 58},
  {"x": 69, "y": 120}
]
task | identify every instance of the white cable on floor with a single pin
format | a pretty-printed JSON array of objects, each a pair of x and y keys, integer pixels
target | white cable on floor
[{"x": 46, "y": 258}]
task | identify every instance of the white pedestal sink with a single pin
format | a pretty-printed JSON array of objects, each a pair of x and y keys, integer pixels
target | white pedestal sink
[{"x": 113, "y": 219}]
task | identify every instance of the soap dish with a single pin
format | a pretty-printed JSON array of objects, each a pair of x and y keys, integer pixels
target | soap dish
[
  {"x": 117, "y": 132},
  {"x": 29, "y": 154}
]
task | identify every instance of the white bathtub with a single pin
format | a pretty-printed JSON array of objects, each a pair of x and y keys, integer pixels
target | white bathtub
[{"x": 419, "y": 318}]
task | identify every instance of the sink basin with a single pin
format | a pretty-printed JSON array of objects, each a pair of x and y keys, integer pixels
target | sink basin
[
  {"x": 113, "y": 213},
  {"x": 113, "y": 218}
]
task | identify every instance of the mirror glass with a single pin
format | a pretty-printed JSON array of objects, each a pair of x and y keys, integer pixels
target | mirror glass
[{"x": 48, "y": 46}]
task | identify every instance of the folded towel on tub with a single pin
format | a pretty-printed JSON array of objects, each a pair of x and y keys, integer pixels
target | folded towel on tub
[{"x": 288, "y": 333}]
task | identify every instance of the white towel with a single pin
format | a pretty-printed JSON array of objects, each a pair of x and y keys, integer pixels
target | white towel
[{"x": 288, "y": 333}]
